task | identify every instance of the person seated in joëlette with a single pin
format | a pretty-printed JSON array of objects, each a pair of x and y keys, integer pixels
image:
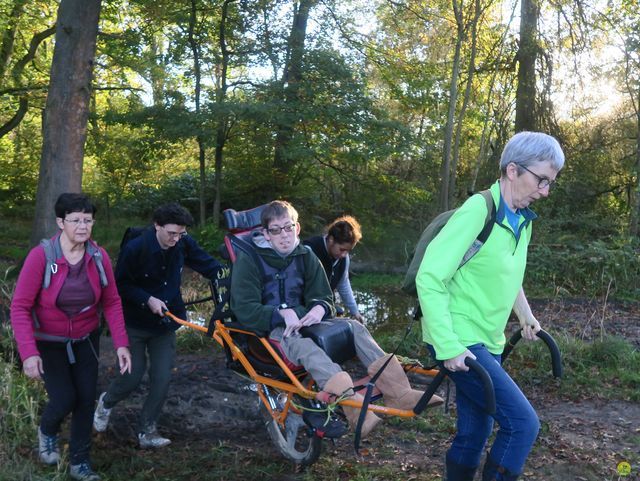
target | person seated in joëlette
[{"x": 300, "y": 296}]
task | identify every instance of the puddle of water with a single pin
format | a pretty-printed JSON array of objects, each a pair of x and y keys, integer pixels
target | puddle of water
[{"x": 386, "y": 311}]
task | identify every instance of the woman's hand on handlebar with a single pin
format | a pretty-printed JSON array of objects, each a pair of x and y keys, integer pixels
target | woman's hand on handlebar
[
  {"x": 457, "y": 363},
  {"x": 530, "y": 328}
]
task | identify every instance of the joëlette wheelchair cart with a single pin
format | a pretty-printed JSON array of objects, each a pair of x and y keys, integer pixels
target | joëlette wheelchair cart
[{"x": 298, "y": 416}]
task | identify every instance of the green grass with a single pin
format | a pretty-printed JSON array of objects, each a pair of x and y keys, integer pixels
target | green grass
[{"x": 602, "y": 368}]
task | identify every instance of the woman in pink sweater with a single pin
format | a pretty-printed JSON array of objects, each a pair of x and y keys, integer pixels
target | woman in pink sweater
[{"x": 63, "y": 286}]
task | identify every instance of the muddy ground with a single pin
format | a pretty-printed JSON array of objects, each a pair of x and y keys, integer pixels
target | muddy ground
[{"x": 581, "y": 440}]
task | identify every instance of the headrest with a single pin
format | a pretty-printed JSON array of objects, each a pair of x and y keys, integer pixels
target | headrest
[{"x": 243, "y": 220}]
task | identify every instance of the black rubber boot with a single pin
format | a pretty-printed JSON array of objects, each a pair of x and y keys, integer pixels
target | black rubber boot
[
  {"x": 492, "y": 471},
  {"x": 458, "y": 472}
]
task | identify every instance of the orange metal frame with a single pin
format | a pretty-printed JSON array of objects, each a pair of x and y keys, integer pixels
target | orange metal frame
[{"x": 222, "y": 335}]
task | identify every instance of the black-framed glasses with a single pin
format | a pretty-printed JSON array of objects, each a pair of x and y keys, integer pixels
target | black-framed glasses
[
  {"x": 277, "y": 230},
  {"x": 175, "y": 235},
  {"x": 543, "y": 182},
  {"x": 76, "y": 222}
]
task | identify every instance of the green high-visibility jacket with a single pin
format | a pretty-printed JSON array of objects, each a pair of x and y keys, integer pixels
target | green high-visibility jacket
[{"x": 471, "y": 304}]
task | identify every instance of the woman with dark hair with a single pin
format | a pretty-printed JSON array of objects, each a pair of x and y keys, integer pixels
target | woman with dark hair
[
  {"x": 333, "y": 250},
  {"x": 63, "y": 286}
]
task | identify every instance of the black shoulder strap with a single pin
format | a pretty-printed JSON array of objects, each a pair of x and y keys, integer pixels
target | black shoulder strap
[
  {"x": 484, "y": 234},
  {"x": 491, "y": 216}
]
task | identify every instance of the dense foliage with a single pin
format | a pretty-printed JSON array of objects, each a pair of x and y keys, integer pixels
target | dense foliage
[{"x": 230, "y": 103}]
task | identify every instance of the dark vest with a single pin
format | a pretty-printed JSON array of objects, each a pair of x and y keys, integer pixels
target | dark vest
[
  {"x": 284, "y": 286},
  {"x": 334, "y": 272},
  {"x": 279, "y": 286}
]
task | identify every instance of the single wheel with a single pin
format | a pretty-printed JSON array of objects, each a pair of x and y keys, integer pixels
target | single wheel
[{"x": 295, "y": 441}]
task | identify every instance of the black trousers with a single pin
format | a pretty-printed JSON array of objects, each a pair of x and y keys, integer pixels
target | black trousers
[{"x": 71, "y": 389}]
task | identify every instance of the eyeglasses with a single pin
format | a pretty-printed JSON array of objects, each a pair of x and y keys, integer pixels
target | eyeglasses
[
  {"x": 175, "y": 235},
  {"x": 543, "y": 182},
  {"x": 277, "y": 230},
  {"x": 76, "y": 222}
]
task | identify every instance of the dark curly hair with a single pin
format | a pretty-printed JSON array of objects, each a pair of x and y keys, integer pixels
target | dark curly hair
[{"x": 172, "y": 213}]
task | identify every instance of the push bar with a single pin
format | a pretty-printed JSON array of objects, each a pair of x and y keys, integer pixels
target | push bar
[
  {"x": 556, "y": 358},
  {"x": 487, "y": 384}
]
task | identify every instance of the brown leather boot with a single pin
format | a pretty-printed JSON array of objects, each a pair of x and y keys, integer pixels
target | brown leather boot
[
  {"x": 339, "y": 384},
  {"x": 395, "y": 387}
]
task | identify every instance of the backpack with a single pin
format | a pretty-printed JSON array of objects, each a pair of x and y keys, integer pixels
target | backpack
[
  {"x": 52, "y": 252},
  {"x": 131, "y": 233},
  {"x": 434, "y": 228}
]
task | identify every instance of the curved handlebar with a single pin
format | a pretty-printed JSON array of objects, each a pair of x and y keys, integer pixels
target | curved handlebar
[
  {"x": 487, "y": 384},
  {"x": 556, "y": 357}
]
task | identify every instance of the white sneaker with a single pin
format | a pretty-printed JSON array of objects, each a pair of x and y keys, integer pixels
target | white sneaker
[
  {"x": 48, "y": 448},
  {"x": 101, "y": 416},
  {"x": 151, "y": 439},
  {"x": 83, "y": 472}
]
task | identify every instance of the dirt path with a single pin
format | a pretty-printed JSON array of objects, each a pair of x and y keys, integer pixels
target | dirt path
[{"x": 579, "y": 441}]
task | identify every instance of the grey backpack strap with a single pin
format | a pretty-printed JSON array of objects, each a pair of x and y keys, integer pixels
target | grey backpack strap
[
  {"x": 50, "y": 266},
  {"x": 94, "y": 251}
]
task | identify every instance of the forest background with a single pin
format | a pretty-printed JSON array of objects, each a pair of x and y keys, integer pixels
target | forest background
[{"x": 388, "y": 110}]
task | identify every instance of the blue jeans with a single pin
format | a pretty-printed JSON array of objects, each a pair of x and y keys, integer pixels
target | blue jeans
[{"x": 518, "y": 422}]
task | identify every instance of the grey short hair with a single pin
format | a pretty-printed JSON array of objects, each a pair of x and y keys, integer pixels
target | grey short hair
[{"x": 527, "y": 148}]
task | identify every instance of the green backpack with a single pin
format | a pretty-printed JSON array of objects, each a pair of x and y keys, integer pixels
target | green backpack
[{"x": 432, "y": 230}]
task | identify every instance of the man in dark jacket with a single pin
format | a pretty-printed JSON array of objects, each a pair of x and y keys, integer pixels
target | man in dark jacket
[{"x": 148, "y": 275}]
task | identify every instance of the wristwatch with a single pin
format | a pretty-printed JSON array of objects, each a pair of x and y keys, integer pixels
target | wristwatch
[{"x": 283, "y": 306}]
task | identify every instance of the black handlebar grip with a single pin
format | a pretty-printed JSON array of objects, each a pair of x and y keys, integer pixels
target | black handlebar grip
[
  {"x": 554, "y": 350},
  {"x": 489, "y": 393},
  {"x": 424, "y": 400}
]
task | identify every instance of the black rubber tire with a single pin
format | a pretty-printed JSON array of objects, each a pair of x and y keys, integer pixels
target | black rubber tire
[{"x": 294, "y": 442}]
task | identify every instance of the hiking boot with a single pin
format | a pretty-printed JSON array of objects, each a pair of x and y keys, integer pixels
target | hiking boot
[
  {"x": 48, "y": 448},
  {"x": 83, "y": 472},
  {"x": 151, "y": 439},
  {"x": 101, "y": 416}
]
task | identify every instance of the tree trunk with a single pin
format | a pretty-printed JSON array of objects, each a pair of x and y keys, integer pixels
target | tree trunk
[
  {"x": 157, "y": 71},
  {"x": 195, "y": 49},
  {"x": 527, "y": 53},
  {"x": 445, "y": 167},
  {"x": 223, "y": 121},
  {"x": 9, "y": 37},
  {"x": 465, "y": 102},
  {"x": 67, "y": 109},
  {"x": 635, "y": 213},
  {"x": 290, "y": 80}
]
